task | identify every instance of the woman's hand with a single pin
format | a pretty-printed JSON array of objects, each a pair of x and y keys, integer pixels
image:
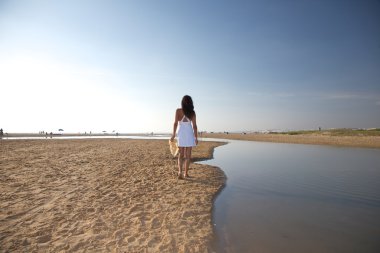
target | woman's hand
[
  {"x": 196, "y": 141},
  {"x": 172, "y": 138}
]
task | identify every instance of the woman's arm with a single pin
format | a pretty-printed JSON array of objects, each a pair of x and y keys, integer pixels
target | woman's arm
[
  {"x": 175, "y": 126},
  {"x": 195, "y": 128}
]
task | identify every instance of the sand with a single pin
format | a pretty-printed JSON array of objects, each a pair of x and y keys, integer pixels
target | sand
[
  {"x": 317, "y": 139},
  {"x": 104, "y": 195}
]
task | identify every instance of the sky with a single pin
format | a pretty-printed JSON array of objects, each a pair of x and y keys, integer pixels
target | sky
[{"x": 248, "y": 65}]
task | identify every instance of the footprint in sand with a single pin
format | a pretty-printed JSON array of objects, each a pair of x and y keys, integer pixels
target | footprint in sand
[
  {"x": 155, "y": 223},
  {"x": 44, "y": 238}
]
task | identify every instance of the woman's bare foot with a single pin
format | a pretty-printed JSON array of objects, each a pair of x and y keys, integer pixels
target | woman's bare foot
[{"x": 180, "y": 175}]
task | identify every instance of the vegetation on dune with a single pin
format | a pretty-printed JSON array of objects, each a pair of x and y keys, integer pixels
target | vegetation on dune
[{"x": 336, "y": 132}]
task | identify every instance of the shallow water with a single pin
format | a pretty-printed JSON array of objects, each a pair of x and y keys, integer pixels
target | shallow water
[{"x": 297, "y": 198}]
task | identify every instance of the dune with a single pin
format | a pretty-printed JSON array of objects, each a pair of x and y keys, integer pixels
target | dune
[{"x": 313, "y": 139}]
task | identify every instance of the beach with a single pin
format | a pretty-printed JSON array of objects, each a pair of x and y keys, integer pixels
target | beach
[
  {"x": 316, "y": 139},
  {"x": 104, "y": 195}
]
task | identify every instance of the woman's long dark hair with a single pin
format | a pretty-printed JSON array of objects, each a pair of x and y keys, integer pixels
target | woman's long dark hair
[{"x": 187, "y": 106}]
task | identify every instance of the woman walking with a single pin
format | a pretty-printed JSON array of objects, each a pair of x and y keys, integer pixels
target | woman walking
[{"x": 187, "y": 134}]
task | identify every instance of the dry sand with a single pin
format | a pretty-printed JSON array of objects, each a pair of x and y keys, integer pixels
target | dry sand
[
  {"x": 102, "y": 195},
  {"x": 345, "y": 141}
]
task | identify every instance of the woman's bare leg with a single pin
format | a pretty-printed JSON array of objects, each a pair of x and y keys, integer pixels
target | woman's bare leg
[
  {"x": 180, "y": 161},
  {"x": 187, "y": 160}
]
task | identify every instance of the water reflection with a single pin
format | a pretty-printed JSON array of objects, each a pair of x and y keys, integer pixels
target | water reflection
[{"x": 297, "y": 198}]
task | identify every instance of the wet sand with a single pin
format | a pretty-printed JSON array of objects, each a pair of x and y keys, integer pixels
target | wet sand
[
  {"x": 317, "y": 139},
  {"x": 104, "y": 195}
]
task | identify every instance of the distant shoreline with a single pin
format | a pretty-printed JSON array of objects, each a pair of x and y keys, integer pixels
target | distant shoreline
[
  {"x": 338, "y": 137},
  {"x": 20, "y": 135},
  {"x": 314, "y": 139}
]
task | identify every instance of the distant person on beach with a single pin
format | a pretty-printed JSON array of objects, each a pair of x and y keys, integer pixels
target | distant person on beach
[
  {"x": 187, "y": 134},
  {"x": 1, "y": 133}
]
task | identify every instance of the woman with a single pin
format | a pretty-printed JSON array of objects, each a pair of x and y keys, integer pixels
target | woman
[{"x": 187, "y": 134}]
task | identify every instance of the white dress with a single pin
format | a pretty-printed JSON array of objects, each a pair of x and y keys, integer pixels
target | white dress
[{"x": 186, "y": 133}]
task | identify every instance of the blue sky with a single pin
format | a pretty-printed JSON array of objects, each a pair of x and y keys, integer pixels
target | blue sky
[{"x": 249, "y": 65}]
